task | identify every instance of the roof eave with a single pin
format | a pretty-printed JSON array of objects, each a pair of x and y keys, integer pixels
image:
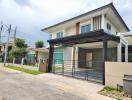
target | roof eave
[
  {"x": 120, "y": 18},
  {"x": 108, "y": 5},
  {"x": 100, "y": 8}
]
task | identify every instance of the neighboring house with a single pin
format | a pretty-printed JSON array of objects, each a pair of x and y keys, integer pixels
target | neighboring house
[
  {"x": 87, "y": 41},
  {"x": 42, "y": 54}
]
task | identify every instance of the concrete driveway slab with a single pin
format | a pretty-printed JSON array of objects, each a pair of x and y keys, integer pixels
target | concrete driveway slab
[{"x": 16, "y": 85}]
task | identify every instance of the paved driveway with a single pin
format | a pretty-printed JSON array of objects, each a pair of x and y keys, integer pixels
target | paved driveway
[{"x": 20, "y": 86}]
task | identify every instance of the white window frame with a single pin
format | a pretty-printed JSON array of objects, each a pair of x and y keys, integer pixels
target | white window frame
[
  {"x": 60, "y": 33},
  {"x": 85, "y": 23},
  {"x": 50, "y": 36}
]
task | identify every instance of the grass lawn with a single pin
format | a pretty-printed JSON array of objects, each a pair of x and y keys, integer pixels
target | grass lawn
[
  {"x": 34, "y": 72},
  {"x": 114, "y": 93},
  {"x": 56, "y": 68}
]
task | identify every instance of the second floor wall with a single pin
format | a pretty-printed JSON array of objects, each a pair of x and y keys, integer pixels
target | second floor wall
[
  {"x": 105, "y": 17},
  {"x": 85, "y": 26}
]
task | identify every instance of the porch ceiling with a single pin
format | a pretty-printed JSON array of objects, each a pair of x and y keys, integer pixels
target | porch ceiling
[{"x": 93, "y": 36}]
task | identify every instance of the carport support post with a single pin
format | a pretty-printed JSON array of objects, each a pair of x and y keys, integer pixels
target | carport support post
[
  {"x": 51, "y": 51},
  {"x": 104, "y": 57},
  {"x": 73, "y": 65},
  {"x": 126, "y": 53},
  {"x": 119, "y": 52}
]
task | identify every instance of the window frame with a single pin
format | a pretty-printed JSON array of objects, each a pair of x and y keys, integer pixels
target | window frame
[
  {"x": 58, "y": 51},
  {"x": 84, "y": 25},
  {"x": 109, "y": 27},
  {"x": 50, "y": 36},
  {"x": 59, "y": 34}
]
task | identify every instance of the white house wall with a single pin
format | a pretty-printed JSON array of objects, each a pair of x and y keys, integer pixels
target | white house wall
[
  {"x": 70, "y": 31},
  {"x": 113, "y": 28},
  {"x": 86, "y": 22},
  {"x": 54, "y": 34}
]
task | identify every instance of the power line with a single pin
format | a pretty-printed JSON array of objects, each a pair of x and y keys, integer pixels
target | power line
[{"x": 18, "y": 31}]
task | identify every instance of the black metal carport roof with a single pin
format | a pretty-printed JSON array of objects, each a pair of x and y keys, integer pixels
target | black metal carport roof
[{"x": 93, "y": 36}]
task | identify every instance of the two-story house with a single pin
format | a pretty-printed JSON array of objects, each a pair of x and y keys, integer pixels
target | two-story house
[{"x": 82, "y": 44}]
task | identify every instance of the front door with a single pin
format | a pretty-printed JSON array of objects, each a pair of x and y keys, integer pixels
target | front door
[{"x": 88, "y": 59}]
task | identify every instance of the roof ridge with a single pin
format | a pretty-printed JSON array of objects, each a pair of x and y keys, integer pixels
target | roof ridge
[
  {"x": 89, "y": 12},
  {"x": 76, "y": 16}
]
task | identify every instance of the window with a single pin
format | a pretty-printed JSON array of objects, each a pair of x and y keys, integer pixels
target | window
[
  {"x": 50, "y": 36},
  {"x": 58, "y": 56},
  {"x": 86, "y": 28},
  {"x": 59, "y": 35},
  {"x": 108, "y": 27}
]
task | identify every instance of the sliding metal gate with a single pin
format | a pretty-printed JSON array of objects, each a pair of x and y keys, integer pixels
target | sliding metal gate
[{"x": 78, "y": 69}]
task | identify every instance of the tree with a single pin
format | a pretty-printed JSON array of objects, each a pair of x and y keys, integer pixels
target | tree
[
  {"x": 19, "y": 50},
  {"x": 39, "y": 44},
  {"x": 20, "y": 43}
]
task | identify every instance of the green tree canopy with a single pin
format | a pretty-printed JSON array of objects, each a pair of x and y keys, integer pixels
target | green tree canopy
[
  {"x": 39, "y": 44},
  {"x": 20, "y": 43},
  {"x": 19, "y": 50}
]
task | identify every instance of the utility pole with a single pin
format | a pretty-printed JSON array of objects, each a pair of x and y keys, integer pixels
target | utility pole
[
  {"x": 15, "y": 33},
  {"x": 0, "y": 36},
  {"x": 1, "y": 32},
  {"x": 6, "y": 48}
]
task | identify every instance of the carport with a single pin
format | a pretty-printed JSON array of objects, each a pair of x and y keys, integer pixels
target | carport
[{"x": 70, "y": 41}]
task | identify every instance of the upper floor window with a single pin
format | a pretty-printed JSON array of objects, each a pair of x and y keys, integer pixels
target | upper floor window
[
  {"x": 86, "y": 28},
  {"x": 59, "y": 35},
  {"x": 108, "y": 27},
  {"x": 50, "y": 36}
]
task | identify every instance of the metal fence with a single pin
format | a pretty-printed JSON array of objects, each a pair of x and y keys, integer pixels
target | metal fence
[{"x": 80, "y": 69}]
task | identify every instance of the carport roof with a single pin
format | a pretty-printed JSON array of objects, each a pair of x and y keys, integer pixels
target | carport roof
[{"x": 93, "y": 36}]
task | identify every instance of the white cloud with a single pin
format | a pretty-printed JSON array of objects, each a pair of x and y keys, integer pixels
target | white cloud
[
  {"x": 31, "y": 15},
  {"x": 58, "y": 7}
]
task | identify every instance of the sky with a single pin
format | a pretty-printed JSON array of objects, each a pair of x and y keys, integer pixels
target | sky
[{"x": 30, "y": 16}]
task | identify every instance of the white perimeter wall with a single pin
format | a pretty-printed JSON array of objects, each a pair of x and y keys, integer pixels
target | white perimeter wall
[{"x": 114, "y": 72}]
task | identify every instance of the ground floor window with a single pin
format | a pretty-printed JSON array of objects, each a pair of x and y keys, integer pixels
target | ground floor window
[
  {"x": 130, "y": 57},
  {"x": 58, "y": 56}
]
